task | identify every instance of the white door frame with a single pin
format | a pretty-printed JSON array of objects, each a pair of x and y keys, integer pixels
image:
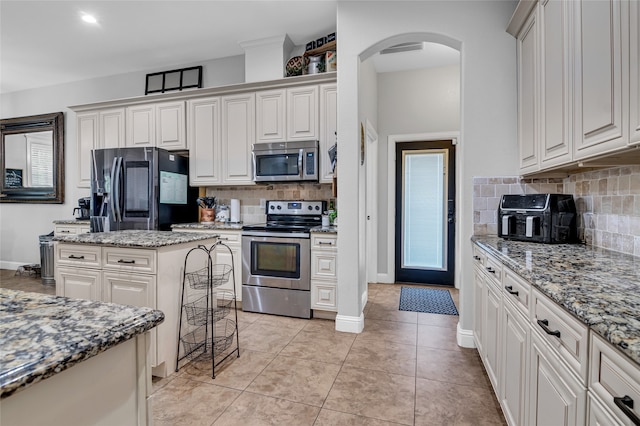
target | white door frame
[
  {"x": 371, "y": 141},
  {"x": 389, "y": 277}
]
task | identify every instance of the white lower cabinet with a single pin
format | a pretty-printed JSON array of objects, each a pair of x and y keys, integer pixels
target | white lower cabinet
[
  {"x": 598, "y": 415},
  {"x": 324, "y": 264},
  {"x": 556, "y": 396},
  {"x": 146, "y": 277},
  {"x": 492, "y": 341},
  {"x": 515, "y": 364}
]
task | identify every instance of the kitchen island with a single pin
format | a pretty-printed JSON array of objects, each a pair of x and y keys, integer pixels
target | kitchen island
[
  {"x": 69, "y": 361},
  {"x": 139, "y": 268}
]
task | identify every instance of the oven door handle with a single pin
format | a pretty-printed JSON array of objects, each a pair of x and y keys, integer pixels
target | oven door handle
[{"x": 276, "y": 234}]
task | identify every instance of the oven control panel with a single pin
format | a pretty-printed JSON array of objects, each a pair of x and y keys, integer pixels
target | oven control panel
[{"x": 296, "y": 207}]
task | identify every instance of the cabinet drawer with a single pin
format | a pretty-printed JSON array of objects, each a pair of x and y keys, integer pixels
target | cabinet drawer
[
  {"x": 562, "y": 332},
  {"x": 323, "y": 241},
  {"x": 138, "y": 260},
  {"x": 229, "y": 237},
  {"x": 66, "y": 230},
  {"x": 611, "y": 376},
  {"x": 323, "y": 265},
  {"x": 479, "y": 257},
  {"x": 323, "y": 296},
  {"x": 517, "y": 290},
  {"x": 494, "y": 269},
  {"x": 78, "y": 255}
]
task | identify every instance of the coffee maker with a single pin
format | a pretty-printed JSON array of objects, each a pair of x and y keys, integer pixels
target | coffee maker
[{"x": 82, "y": 211}]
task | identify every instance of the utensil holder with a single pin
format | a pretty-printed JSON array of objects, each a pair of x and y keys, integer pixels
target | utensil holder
[{"x": 208, "y": 215}]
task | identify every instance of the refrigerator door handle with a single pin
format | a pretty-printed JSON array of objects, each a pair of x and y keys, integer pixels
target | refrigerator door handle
[
  {"x": 118, "y": 196},
  {"x": 112, "y": 189}
]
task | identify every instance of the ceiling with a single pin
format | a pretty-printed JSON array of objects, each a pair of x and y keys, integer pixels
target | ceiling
[{"x": 44, "y": 43}]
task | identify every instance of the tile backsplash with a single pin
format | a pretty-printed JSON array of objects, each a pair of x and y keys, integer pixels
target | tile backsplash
[
  {"x": 252, "y": 198},
  {"x": 608, "y": 204}
]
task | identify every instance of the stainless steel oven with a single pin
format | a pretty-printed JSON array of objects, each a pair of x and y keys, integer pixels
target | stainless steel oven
[{"x": 276, "y": 259}]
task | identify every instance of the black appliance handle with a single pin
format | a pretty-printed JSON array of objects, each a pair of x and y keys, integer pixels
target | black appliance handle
[
  {"x": 112, "y": 190},
  {"x": 545, "y": 326},
  {"x": 625, "y": 403},
  {"x": 118, "y": 198}
]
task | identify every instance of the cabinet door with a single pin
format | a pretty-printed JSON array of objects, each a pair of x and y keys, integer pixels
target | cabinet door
[
  {"x": 204, "y": 141},
  {"x": 323, "y": 296},
  {"x": 79, "y": 283},
  {"x": 493, "y": 305},
  {"x": 112, "y": 128},
  {"x": 302, "y": 113},
  {"x": 555, "y": 397},
  {"x": 555, "y": 80},
  {"x": 238, "y": 134},
  {"x": 514, "y": 365},
  {"x": 597, "y": 415},
  {"x": 170, "y": 129},
  {"x": 328, "y": 128},
  {"x": 87, "y": 139},
  {"x": 528, "y": 98},
  {"x": 223, "y": 256},
  {"x": 271, "y": 116},
  {"x": 135, "y": 290},
  {"x": 599, "y": 71},
  {"x": 634, "y": 72},
  {"x": 478, "y": 305},
  {"x": 141, "y": 126}
]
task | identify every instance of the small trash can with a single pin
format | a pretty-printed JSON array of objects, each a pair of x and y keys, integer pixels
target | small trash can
[{"x": 46, "y": 259}]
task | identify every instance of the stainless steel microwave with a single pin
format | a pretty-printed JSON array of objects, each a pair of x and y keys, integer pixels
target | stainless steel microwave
[{"x": 285, "y": 161}]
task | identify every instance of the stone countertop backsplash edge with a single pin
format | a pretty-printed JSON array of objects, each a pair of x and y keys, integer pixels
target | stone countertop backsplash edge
[
  {"x": 42, "y": 335},
  {"x": 599, "y": 287}
]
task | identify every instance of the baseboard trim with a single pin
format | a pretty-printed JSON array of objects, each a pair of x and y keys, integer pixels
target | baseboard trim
[
  {"x": 385, "y": 278},
  {"x": 12, "y": 265},
  {"x": 350, "y": 324},
  {"x": 465, "y": 337},
  {"x": 365, "y": 298}
]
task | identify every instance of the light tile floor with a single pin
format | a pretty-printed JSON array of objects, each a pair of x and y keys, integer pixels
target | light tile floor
[{"x": 405, "y": 368}]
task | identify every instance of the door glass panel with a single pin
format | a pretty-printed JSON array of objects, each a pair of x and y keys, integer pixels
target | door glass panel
[
  {"x": 424, "y": 209},
  {"x": 136, "y": 189},
  {"x": 276, "y": 259},
  {"x": 277, "y": 165}
]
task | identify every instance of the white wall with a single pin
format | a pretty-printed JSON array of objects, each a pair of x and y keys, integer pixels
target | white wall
[
  {"x": 410, "y": 102},
  {"x": 488, "y": 117},
  {"x": 20, "y": 224}
]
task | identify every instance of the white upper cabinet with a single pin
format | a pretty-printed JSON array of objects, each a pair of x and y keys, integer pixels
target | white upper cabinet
[
  {"x": 528, "y": 94},
  {"x": 271, "y": 116},
  {"x": 601, "y": 77},
  {"x": 555, "y": 82},
  {"x": 328, "y": 128},
  {"x": 238, "y": 134},
  {"x": 170, "y": 128},
  {"x": 634, "y": 72},
  {"x": 203, "y": 118},
  {"x": 141, "y": 126},
  {"x": 160, "y": 125},
  {"x": 97, "y": 129},
  {"x": 302, "y": 113}
]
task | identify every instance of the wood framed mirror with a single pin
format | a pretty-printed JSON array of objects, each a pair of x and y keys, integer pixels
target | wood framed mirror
[{"x": 32, "y": 162}]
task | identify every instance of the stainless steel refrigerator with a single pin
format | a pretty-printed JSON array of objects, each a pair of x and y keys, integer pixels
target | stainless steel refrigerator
[{"x": 140, "y": 188}]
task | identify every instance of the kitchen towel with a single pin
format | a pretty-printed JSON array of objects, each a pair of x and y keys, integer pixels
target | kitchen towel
[
  {"x": 427, "y": 300},
  {"x": 234, "y": 207}
]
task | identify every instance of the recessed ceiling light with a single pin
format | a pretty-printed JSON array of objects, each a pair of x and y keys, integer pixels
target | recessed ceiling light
[{"x": 89, "y": 19}]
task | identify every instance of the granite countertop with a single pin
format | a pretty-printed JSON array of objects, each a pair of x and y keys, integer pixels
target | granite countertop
[
  {"x": 599, "y": 287},
  {"x": 208, "y": 226},
  {"x": 329, "y": 230},
  {"x": 134, "y": 238},
  {"x": 42, "y": 335},
  {"x": 72, "y": 222}
]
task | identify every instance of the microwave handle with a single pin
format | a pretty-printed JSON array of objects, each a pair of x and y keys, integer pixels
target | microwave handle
[{"x": 301, "y": 163}]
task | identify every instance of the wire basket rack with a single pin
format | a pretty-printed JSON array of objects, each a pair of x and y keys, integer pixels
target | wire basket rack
[
  {"x": 199, "y": 343},
  {"x": 204, "y": 278},
  {"x": 203, "y": 309}
]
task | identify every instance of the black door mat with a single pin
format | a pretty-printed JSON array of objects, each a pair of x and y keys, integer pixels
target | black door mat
[{"x": 427, "y": 300}]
